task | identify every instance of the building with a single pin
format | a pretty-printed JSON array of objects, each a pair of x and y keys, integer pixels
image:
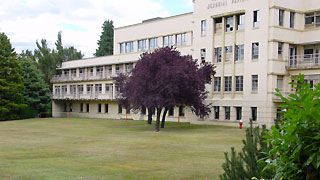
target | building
[{"x": 256, "y": 45}]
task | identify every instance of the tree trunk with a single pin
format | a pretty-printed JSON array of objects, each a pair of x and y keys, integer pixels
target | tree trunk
[
  {"x": 164, "y": 117},
  {"x": 158, "y": 119},
  {"x": 149, "y": 115}
]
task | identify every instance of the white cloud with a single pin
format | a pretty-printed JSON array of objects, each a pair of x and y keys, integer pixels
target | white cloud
[
  {"x": 26, "y": 21},
  {"x": 188, "y": 3}
]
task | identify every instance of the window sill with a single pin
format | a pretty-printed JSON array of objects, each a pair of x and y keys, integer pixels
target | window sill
[
  {"x": 255, "y": 28},
  {"x": 254, "y": 60},
  {"x": 239, "y": 61},
  {"x": 254, "y": 92}
]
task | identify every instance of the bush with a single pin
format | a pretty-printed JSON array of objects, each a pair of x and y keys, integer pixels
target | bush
[
  {"x": 245, "y": 165},
  {"x": 296, "y": 143}
]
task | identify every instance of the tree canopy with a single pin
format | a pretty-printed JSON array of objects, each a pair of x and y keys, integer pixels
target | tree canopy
[
  {"x": 105, "y": 44},
  {"x": 36, "y": 93},
  {"x": 49, "y": 59},
  {"x": 11, "y": 82},
  {"x": 163, "y": 79}
]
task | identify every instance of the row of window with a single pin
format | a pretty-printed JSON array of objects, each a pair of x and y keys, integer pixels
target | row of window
[
  {"x": 79, "y": 88},
  {"x": 238, "y": 81},
  {"x": 153, "y": 43},
  {"x": 238, "y": 55},
  {"x": 99, "y": 69},
  {"x": 86, "y": 108},
  {"x": 231, "y": 23},
  {"x": 227, "y": 110},
  {"x": 281, "y": 16}
]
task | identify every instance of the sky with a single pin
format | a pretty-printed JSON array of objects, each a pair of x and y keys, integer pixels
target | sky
[{"x": 28, "y": 21}]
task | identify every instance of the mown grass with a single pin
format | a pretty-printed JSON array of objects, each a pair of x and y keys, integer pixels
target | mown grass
[{"x": 98, "y": 149}]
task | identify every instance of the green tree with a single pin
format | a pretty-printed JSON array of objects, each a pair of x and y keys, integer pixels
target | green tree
[
  {"x": 11, "y": 82},
  {"x": 245, "y": 164},
  {"x": 36, "y": 93},
  {"x": 105, "y": 44},
  {"x": 296, "y": 143},
  {"x": 49, "y": 59}
]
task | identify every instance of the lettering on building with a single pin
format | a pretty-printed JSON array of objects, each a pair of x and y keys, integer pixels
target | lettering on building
[{"x": 221, "y": 3}]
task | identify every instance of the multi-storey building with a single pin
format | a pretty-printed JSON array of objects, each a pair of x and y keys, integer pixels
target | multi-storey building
[{"x": 256, "y": 46}]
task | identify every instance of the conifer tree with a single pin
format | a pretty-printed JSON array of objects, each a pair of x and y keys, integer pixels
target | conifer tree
[
  {"x": 105, "y": 44},
  {"x": 246, "y": 164},
  {"x": 36, "y": 92},
  {"x": 11, "y": 82}
]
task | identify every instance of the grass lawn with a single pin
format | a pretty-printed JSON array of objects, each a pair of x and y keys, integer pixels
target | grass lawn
[{"x": 96, "y": 149}]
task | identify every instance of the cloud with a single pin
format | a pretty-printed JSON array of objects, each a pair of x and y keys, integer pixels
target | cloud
[
  {"x": 28, "y": 21},
  {"x": 188, "y": 3}
]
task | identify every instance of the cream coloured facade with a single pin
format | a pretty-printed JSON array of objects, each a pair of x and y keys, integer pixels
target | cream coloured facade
[{"x": 256, "y": 46}]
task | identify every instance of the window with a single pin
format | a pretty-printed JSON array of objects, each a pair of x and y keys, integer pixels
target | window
[
  {"x": 153, "y": 43},
  {"x": 119, "y": 108},
  {"x": 106, "y": 108},
  {"x": 239, "y": 113},
  {"x": 64, "y": 89},
  {"x": 73, "y": 89},
  {"x": 254, "y": 83},
  {"x": 239, "y": 83},
  {"x": 65, "y": 107},
  {"x": 216, "y": 112},
  {"x": 88, "y": 107},
  {"x": 142, "y": 45},
  {"x": 254, "y": 112},
  {"x": 203, "y": 54},
  {"x": 256, "y": 19},
  {"x": 227, "y": 112},
  {"x": 73, "y": 72},
  {"x": 66, "y": 73},
  {"x": 218, "y": 25},
  {"x": 312, "y": 20},
  {"x": 292, "y": 19},
  {"x": 203, "y": 27},
  {"x": 109, "y": 69},
  {"x": 181, "y": 111},
  {"x": 118, "y": 68},
  {"x": 240, "y": 21},
  {"x": 129, "y": 46},
  {"x": 122, "y": 48},
  {"x": 218, "y": 54},
  {"x": 280, "y": 48},
  {"x": 229, "y": 54},
  {"x": 171, "y": 111},
  {"x": 89, "y": 88},
  {"x": 98, "y": 88},
  {"x": 56, "y": 89},
  {"x": 239, "y": 52},
  {"x": 129, "y": 67},
  {"x": 228, "y": 83},
  {"x": 109, "y": 87},
  {"x": 229, "y": 24},
  {"x": 99, "y": 108},
  {"x": 90, "y": 71},
  {"x": 281, "y": 17},
  {"x": 128, "y": 110},
  {"x": 81, "y": 72},
  {"x": 80, "y": 89},
  {"x": 167, "y": 41},
  {"x": 70, "y": 107},
  {"x": 217, "y": 84},
  {"x": 280, "y": 82},
  {"x": 181, "y": 39},
  {"x": 81, "y": 107},
  {"x": 255, "y": 50}
]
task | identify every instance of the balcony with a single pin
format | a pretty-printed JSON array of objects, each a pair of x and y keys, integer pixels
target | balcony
[
  {"x": 89, "y": 96},
  {"x": 284, "y": 92},
  {"x": 81, "y": 77},
  {"x": 308, "y": 61}
]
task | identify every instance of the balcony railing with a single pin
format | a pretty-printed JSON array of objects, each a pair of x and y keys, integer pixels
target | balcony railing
[
  {"x": 88, "y": 96},
  {"x": 81, "y": 77},
  {"x": 284, "y": 92},
  {"x": 307, "y": 61}
]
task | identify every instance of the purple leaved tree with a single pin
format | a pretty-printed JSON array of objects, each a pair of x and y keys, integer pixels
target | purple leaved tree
[{"x": 163, "y": 79}]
